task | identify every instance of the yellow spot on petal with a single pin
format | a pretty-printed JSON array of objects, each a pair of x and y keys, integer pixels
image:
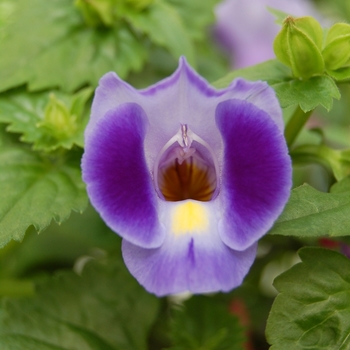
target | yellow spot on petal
[{"x": 190, "y": 217}]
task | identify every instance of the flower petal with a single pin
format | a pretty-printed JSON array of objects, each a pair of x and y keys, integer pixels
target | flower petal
[
  {"x": 183, "y": 98},
  {"x": 193, "y": 257},
  {"x": 118, "y": 181},
  {"x": 256, "y": 176},
  {"x": 260, "y": 94}
]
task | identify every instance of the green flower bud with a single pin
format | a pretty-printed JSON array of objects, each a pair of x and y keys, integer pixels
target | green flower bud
[
  {"x": 299, "y": 44},
  {"x": 336, "y": 53},
  {"x": 139, "y": 4},
  {"x": 58, "y": 122},
  {"x": 96, "y": 12}
]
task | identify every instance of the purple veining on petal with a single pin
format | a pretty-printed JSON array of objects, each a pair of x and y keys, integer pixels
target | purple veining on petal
[
  {"x": 198, "y": 264},
  {"x": 190, "y": 255},
  {"x": 118, "y": 182},
  {"x": 256, "y": 178}
]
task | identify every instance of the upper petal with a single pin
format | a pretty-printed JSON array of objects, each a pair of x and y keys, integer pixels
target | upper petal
[
  {"x": 118, "y": 181},
  {"x": 183, "y": 98},
  {"x": 256, "y": 174}
]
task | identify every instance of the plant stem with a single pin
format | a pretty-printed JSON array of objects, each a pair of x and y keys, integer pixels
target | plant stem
[{"x": 295, "y": 124}]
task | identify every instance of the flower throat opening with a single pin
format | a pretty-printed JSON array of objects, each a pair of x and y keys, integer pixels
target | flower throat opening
[{"x": 186, "y": 169}]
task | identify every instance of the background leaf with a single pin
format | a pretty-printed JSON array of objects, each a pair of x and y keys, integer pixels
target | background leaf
[
  {"x": 54, "y": 48},
  {"x": 103, "y": 309},
  {"x": 311, "y": 213},
  {"x": 205, "y": 323},
  {"x": 204, "y": 15},
  {"x": 162, "y": 23},
  {"x": 271, "y": 71},
  {"x": 35, "y": 189},
  {"x": 312, "y": 310},
  {"x": 23, "y": 112}
]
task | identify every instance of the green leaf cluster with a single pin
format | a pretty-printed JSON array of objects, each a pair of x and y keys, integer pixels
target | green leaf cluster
[
  {"x": 312, "y": 310},
  {"x": 103, "y": 308},
  {"x": 59, "y": 44},
  {"x": 48, "y": 120},
  {"x": 311, "y": 213},
  {"x": 35, "y": 189}
]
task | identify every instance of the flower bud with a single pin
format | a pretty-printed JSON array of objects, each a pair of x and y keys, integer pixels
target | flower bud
[
  {"x": 58, "y": 122},
  {"x": 336, "y": 53},
  {"x": 299, "y": 44},
  {"x": 96, "y": 12},
  {"x": 139, "y": 4}
]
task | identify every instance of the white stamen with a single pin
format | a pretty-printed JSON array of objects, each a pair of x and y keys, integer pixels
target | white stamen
[{"x": 184, "y": 137}]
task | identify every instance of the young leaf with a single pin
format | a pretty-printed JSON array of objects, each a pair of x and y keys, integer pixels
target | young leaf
[
  {"x": 312, "y": 310},
  {"x": 162, "y": 23},
  {"x": 311, "y": 213},
  {"x": 308, "y": 94},
  {"x": 48, "y": 120},
  {"x": 319, "y": 90},
  {"x": 104, "y": 308},
  {"x": 204, "y": 323},
  {"x": 47, "y": 44},
  {"x": 34, "y": 189}
]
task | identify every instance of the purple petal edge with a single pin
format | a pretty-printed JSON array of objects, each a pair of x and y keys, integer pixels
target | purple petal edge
[
  {"x": 257, "y": 173},
  {"x": 188, "y": 264},
  {"x": 118, "y": 181}
]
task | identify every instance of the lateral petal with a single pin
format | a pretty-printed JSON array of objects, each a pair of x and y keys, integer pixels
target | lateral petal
[
  {"x": 118, "y": 181},
  {"x": 256, "y": 174}
]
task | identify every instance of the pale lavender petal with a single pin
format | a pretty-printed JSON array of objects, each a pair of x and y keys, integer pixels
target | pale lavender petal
[
  {"x": 197, "y": 261},
  {"x": 260, "y": 94},
  {"x": 256, "y": 177},
  {"x": 183, "y": 98},
  {"x": 118, "y": 181}
]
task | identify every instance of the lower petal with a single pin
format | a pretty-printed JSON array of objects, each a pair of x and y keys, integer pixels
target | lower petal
[{"x": 193, "y": 258}]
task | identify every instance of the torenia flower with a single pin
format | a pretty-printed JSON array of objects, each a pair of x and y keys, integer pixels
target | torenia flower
[{"x": 190, "y": 176}]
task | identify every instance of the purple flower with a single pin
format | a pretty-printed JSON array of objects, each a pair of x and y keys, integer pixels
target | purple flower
[{"x": 190, "y": 176}]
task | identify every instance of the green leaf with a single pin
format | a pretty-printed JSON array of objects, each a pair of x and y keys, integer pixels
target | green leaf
[
  {"x": 47, "y": 44},
  {"x": 340, "y": 74},
  {"x": 197, "y": 24},
  {"x": 311, "y": 213},
  {"x": 272, "y": 71},
  {"x": 28, "y": 114},
  {"x": 312, "y": 310},
  {"x": 35, "y": 189},
  {"x": 205, "y": 323},
  {"x": 103, "y": 309},
  {"x": 308, "y": 94},
  {"x": 162, "y": 23},
  {"x": 338, "y": 161}
]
